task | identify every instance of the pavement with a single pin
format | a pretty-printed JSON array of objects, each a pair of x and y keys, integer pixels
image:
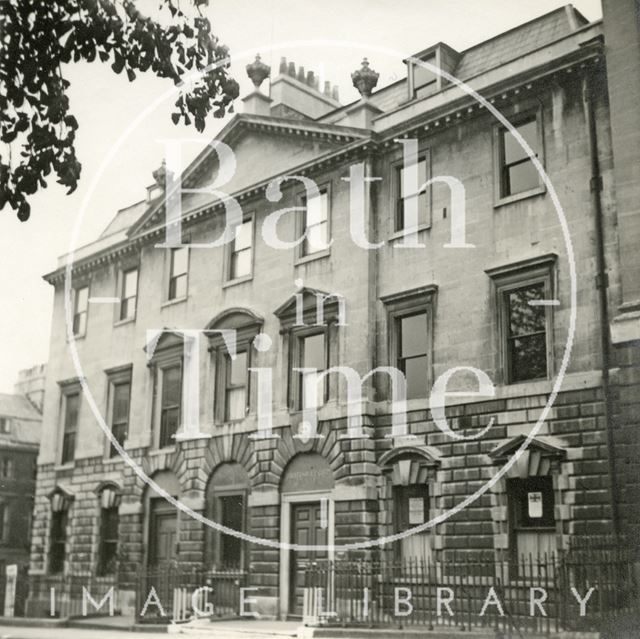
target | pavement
[{"x": 113, "y": 627}]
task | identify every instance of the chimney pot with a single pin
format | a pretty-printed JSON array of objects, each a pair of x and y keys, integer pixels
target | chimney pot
[
  {"x": 334, "y": 93},
  {"x": 301, "y": 74},
  {"x": 283, "y": 65},
  {"x": 327, "y": 88},
  {"x": 310, "y": 78},
  {"x": 292, "y": 69}
]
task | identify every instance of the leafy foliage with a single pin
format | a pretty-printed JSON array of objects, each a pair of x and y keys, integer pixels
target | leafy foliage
[{"x": 38, "y": 36}]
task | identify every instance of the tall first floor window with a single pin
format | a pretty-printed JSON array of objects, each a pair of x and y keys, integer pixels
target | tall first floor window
[
  {"x": 525, "y": 299},
  {"x": 121, "y": 395},
  {"x": 240, "y": 255},
  {"x": 108, "y": 550},
  {"x": 412, "y": 352},
  {"x": 80, "y": 309},
  {"x": 312, "y": 355},
  {"x": 58, "y": 541},
  {"x": 526, "y": 332},
  {"x": 236, "y": 384},
  {"x": 170, "y": 403}
]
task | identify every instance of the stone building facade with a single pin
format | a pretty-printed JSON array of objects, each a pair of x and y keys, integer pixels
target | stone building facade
[
  {"x": 505, "y": 305},
  {"x": 20, "y": 432}
]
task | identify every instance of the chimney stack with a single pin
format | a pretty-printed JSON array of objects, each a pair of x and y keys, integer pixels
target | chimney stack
[{"x": 295, "y": 93}]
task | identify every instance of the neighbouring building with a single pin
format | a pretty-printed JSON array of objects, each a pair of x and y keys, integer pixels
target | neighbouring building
[
  {"x": 503, "y": 306},
  {"x": 20, "y": 433}
]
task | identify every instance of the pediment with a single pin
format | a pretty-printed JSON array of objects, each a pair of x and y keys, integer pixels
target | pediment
[
  {"x": 264, "y": 147},
  {"x": 311, "y": 306},
  {"x": 538, "y": 458}
]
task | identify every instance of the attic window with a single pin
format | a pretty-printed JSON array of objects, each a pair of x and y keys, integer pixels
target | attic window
[
  {"x": 423, "y": 79},
  {"x": 5, "y": 425}
]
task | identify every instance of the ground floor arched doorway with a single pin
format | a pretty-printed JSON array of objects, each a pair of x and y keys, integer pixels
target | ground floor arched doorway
[{"x": 306, "y": 519}]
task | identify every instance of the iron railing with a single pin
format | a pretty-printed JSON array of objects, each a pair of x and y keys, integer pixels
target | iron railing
[
  {"x": 187, "y": 592},
  {"x": 75, "y": 595},
  {"x": 483, "y": 592}
]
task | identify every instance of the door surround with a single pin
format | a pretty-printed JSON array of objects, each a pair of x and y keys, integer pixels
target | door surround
[{"x": 286, "y": 501}]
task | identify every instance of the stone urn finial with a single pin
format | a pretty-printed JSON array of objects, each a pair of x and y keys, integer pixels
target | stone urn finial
[
  {"x": 365, "y": 79},
  {"x": 258, "y": 71},
  {"x": 160, "y": 175}
]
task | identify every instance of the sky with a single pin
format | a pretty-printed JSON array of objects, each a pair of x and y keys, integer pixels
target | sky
[{"x": 329, "y": 37}]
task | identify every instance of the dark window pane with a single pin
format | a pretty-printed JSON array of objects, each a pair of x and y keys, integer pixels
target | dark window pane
[
  {"x": 532, "y": 502},
  {"x": 410, "y": 506},
  {"x": 169, "y": 426},
  {"x": 120, "y": 403},
  {"x": 232, "y": 516},
  {"x": 171, "y": 386},
  {"x": 68, "y": 447},
  {"x": 313, "y": 352},
  {"x": 413, "y": 335},
  {"x": 58, "y": 542},
  {"x": 72, "y": 403},
  {"x": 528, "y": 357},
  {"x": 119, "y": 431},
  {"x": 522, "y": 177},
  {"x": 108, "y": 541},
  {"x": 523, "y": 317}
]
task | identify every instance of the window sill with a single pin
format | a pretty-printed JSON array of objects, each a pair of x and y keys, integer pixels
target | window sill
[
  {"x": 516, "y": 197},
  {"x": 237, "y": 280},
  {"x": 66, "y": 466},
  {"x": 128, "y": 320},
  {"x": 535, "y": 380},
  {"x": 311, "y": 257},
  {"x": 76, "y": 338},
  {"x": 177, "y": 300},
  {"x": 397, "y": 235},
  {"x": 161, "y": 451}
]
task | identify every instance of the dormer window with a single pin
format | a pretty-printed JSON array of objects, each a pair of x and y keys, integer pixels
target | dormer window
[{"x": 424, "y": 79}]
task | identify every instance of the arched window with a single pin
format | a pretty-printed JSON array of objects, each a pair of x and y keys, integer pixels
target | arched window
[
  {"x": 226, "y": 504},
  {"x": 410, "y": 492},
  {"x": 166, "y": 362},
  {"x": 232, "y": 397},
  {"x": 530, "y": 495}
]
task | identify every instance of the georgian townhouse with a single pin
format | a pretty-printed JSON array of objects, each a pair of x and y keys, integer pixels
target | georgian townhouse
[
  {"x": 500, "y": 301},
  {"x": 20, "y": 432}
]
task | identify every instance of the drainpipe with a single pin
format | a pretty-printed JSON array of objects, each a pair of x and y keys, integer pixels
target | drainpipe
[{"x": 602, "y": 284}]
